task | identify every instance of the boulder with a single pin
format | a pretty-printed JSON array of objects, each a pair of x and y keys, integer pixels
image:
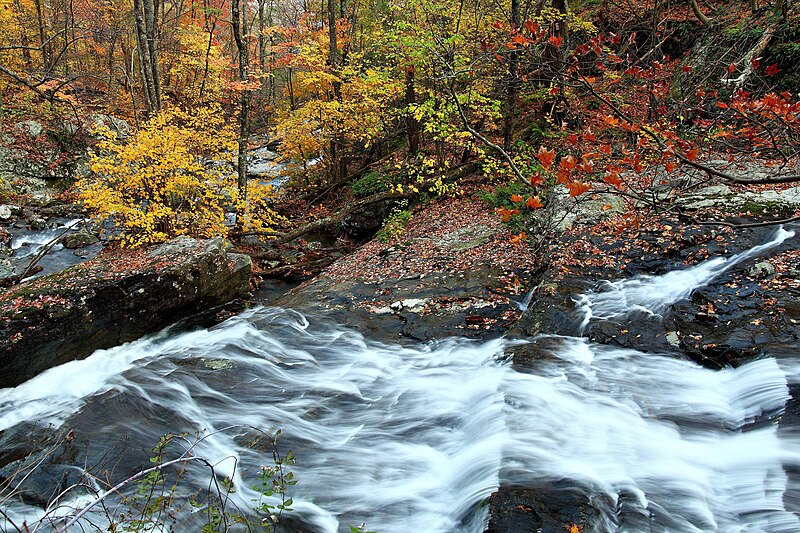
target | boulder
[
  {"x": 111, "y": 300},
  {"x": 79, "y": 239},
  {"x": 363, "y": 223},
  {"x": 31, "y": 128}
]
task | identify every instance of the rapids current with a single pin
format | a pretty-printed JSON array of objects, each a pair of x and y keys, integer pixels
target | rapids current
[{"x": 416, "y": 437}]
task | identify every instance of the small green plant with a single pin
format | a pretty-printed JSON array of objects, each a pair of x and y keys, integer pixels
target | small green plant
[
  {"x": 501, "y": 197},
  {"x": 371, "y": 183},
  {"x": 152, "y": 502},
  {"x": 274, "y": 480},
  {"x": 394, "y": 226},
  {"x": 360, "y": 529}
]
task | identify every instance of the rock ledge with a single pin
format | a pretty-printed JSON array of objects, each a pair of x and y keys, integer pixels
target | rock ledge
[{"x": 112, "y": 300}]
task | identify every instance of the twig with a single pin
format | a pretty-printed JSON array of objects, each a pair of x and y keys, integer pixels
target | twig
[
  {"x": 46, "y": 249},
  {"x": 118, "y": 486}
]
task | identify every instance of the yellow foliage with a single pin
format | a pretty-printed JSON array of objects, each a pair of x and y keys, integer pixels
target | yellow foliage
[
  {"x": 190, "y": 65},
  {"x": 156, "y": 185}
]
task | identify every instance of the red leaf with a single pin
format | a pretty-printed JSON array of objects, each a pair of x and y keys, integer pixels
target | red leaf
[
  {"x": 731, "y": 68},
  {"x": 520, "y": 40},
  {"x": 516, "y": 240},
  {"x": 516, "y": 198},
  {"x": 531, "y": 26},
  {"x": 534, "y": 202},
  {"x": 755, "y": 62},
  {"x": 612, "y": 178},
  {"x": 556, "y": 40},
  {"x": 772, "y": 70},
  {"x": 572, "y": 139},
  {"x": 545, "y": 157},
  {"x": 691, "y": 155},
  {"x": 686, "y": 69},
  {"x": 536, "y": 179},
  {"x": 576, "y": 188},
  {"x": 568, "y": 162},
  {"x": 722, "y": 105}
]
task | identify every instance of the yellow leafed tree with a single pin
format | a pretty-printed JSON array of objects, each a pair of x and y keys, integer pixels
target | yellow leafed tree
[{"x": 160, "y": 184}]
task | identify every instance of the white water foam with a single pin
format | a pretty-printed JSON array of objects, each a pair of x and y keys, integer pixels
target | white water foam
[
  {"x": 654, "y": 294},
  {"x": 31, "y": 242},
  {"x": 416, "y": 438}
]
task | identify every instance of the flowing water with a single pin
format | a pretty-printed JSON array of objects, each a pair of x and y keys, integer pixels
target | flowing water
[
  {"x": 27, "y": 244},
  {"x": 416, "y": 437}
]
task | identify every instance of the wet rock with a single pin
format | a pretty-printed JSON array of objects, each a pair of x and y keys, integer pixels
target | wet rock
[
  {"x": 78, "y": 239},
  {"x": 420, "y": 308},
  {"x": 37, "y": 223},
  {"x": 761, "y": 270},
  {"x": 365, "y": 222},
  {"x": 7, "y": 271},
  {"x": 116, "y": 299},
  {"x": 549, "y": 508},
  {"x": 5, "y": 212}
]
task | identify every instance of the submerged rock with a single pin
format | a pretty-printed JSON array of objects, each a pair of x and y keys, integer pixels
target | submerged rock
[{"x": 111, "y": 300}]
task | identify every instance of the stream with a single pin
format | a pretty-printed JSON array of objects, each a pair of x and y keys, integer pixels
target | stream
[
  {"x": 417, "y": 437},
  {"x": 27, "y": 244}
]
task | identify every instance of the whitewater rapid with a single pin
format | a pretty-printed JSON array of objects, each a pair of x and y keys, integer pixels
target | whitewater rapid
[{"x": 417, "y": 437}]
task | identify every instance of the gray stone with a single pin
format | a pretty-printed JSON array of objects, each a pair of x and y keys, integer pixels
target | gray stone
[
  {"x": 40, "y": 199},
  {"x": 30, "y": 128},
  {"x": 469, "y": 237},
  {"x": 6, "y": 270},
  {"x": 761, "y": 270},
  {"x": 412, "y": 305},
  {"x": 37, "y": 223},
  {"x": 79, "y": 239},
  {"x": 5, "y": 212},
  {"x": 117, "y": 125},
  {"x": 673, "y": 339}
]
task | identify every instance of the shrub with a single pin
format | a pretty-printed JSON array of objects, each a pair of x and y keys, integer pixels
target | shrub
[
  {"x": 394, "y": 226},
  {"x": 159, "y": 185},
  {"x": 371, "y": 183}
]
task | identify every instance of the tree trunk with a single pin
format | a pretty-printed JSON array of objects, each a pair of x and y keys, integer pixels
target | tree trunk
[
  {"x": 143, "y": 11},
  {"x": 338, "y": 167},
  {"x": 23, "y": 37},
  {"x": 512, "y": 83},
  {"x": 45, "y": 47},
  {"x": 412, "y": 124},
  {"x": 151, "y": 33},
  {"x": 240, "y": 30},
  {"x": 699, "y": 14}
]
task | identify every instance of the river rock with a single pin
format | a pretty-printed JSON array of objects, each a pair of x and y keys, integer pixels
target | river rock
[
  {"x": 112, "y": 300},
  {"x": 79, "y": 239},
  {"x": 761, "y": 270}
]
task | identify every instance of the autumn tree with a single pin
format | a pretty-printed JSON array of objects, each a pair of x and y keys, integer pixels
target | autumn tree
[{"x": 159, "y": 184}]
